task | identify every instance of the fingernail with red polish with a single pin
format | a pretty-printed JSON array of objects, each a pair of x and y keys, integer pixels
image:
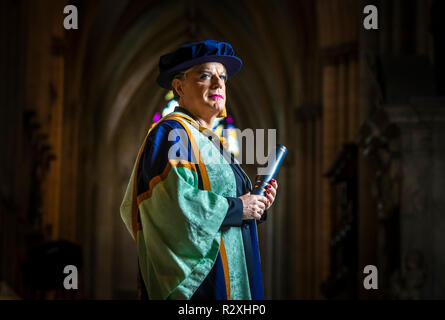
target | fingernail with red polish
[
  {"x": 268, "y": 191},
  {"x": 273, "y": 180}
]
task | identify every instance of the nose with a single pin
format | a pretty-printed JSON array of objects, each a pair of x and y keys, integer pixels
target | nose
[{"x": 217, "y": 82}]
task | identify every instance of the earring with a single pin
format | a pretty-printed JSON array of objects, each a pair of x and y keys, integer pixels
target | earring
[{"x": 222, "y": 114}]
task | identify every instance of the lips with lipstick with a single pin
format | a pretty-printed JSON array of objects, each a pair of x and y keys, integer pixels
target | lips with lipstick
[{"x": 216, "y": 96}]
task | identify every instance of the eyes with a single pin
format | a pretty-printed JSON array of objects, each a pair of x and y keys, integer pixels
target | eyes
[{"x": 208, "y": 76}]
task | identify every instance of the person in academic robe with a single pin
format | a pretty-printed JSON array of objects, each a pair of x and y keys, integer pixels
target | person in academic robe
[{"x": 188, "y": 203}]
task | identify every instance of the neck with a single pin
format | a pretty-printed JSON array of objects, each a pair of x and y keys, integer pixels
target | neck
[
  {"x": 203, "y": 120},
  {"x": 207, "y": 123}
]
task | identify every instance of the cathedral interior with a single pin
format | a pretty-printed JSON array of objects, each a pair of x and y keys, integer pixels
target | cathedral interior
[{"x": 361, "y": 111}]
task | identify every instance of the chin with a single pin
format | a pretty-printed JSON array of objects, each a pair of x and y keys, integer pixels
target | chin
[
  {"x": 217, "y": 106},
  {"x": 219, "y": 110}
]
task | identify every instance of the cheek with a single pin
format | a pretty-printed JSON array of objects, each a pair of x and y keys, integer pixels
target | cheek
[
  {"x": 194, "y": 93},
  {"x": 202, "y": 92}
]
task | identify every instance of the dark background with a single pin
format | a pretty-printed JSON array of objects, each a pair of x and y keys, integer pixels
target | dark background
[{"x": 362, "y": 113}]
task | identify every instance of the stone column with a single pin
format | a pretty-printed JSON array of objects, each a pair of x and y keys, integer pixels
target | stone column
[{"x": 422, "y": 218}]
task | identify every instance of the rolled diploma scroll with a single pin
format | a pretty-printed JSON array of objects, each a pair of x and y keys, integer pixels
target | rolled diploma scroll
[{"x": 274, "y": 162}]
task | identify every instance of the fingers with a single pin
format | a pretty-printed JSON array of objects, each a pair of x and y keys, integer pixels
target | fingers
[
  {"x": 261, "y": 206},
  {"x": 260, "y": 211},
  {"x": 254, "y": 212},
  {"x": 272, "y": 187},
  {"x": 274, "y": 183},
  {"x": 257, "y": 210},
  {"x": 270, "y": 197},
  {"x": 257, "y": 216},
  {"x": 271, "y": 192},
  {"x": 262, "y": 199},
  {"x": 255, "y": 205}
]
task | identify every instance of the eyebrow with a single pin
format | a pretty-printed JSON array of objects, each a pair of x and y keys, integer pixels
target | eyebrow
[{"x": 204, "y": 69}]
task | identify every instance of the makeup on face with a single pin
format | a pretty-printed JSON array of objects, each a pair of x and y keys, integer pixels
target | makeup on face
[
  {"x": 216, "y": 96},
  {"x": 204, "y": 90}
]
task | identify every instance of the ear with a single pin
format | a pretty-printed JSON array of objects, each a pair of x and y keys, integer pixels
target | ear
[{"x": 177, "y": 85}]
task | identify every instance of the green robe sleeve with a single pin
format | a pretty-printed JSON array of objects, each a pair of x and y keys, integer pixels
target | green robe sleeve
[{"x": 180, "y": 236}]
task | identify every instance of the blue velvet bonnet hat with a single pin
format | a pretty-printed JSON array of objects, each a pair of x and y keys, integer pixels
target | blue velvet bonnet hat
[{"x": 195, "y": 53}]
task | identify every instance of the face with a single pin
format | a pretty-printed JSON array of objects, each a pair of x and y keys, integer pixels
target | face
[{"x": 203, "y": 89}]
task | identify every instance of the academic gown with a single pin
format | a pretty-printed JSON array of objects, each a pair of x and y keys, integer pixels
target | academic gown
[{"x": 234, "y": 270}]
